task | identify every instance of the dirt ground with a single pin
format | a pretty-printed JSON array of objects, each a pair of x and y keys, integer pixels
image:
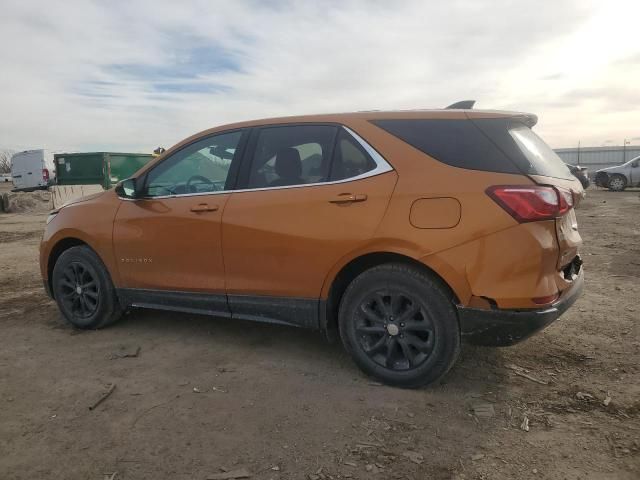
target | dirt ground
[{"x": 205, "y": 394}]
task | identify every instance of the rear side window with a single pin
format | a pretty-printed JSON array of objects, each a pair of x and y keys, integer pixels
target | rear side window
[
  {"x": 500, "y": 145},
  {"x": 350, "y": 159},
  {"x": 458, "y": 143},
  {"x": 292, "y": 155}
]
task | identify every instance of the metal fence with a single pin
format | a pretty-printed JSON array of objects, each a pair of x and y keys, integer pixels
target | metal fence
[{"x": 595, "y": 158}]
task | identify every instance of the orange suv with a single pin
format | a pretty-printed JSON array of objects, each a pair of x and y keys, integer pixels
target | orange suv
[{"x": 401, "y": 233}]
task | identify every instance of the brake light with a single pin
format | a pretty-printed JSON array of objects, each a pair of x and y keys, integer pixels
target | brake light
[
  {"x": 532, "y": 203},
  {"x": 45, "y": 174},
  {"x": 566, "y": 200}
]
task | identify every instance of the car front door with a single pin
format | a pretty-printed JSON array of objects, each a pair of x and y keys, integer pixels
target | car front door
[
  {"x": 309, "y": 195},
  {"x": 168, "y": 243}
]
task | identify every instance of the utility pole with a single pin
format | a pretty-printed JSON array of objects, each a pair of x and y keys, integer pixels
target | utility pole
[
  {"x": 578, "y": 152},
  {"x": 625, "y": 142}
]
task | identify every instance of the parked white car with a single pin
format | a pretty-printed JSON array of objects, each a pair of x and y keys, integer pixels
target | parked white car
[
  {"x": 32, "y": 170},
  {"x": 621, "y": 176},
  {"x": 5, "y": 178}
]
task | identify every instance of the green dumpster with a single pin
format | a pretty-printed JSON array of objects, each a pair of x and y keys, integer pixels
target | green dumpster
[{"x": 102, "y": 168}]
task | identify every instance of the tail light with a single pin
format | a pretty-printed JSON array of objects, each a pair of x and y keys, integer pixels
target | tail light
[
  {"x": 45, "y": 174},
  {"x": 532, "y": 203}
]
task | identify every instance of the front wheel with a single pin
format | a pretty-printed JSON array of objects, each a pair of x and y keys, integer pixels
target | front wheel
[
  {"x": 617, "y": 183},
  {"x": 83, "y": 289},
  {"x": 399, "y": 325}
]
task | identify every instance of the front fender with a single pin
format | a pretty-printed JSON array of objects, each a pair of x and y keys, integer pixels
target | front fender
[{"x": 90, "y": 222}]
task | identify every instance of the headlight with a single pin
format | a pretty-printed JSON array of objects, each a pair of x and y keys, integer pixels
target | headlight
[{"x": 51, "y": 216}]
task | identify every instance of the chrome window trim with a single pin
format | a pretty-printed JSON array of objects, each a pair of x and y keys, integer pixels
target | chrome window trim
[{"x": 382, "y": 166}]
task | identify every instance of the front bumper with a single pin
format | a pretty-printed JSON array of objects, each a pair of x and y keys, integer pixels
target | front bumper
[
  {"x": 507, "y": 327},
  {"x": 602, "y": 179}
]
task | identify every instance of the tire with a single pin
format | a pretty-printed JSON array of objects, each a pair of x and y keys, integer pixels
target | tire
[
  {"x": 399, "y": 325},
  {"x": 617, "y": 183},
  {"x": 83, "y": 289}
]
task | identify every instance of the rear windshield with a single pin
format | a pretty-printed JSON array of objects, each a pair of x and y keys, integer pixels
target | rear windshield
[
  {"x": 501, "y": 145},
  {"x": 527, "y": 150}
]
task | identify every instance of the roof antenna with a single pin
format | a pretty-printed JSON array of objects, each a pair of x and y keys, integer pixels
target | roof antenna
[{"x": 463, "y": 105}]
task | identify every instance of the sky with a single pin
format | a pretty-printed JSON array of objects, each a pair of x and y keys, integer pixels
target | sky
[{"x": 134, "y": 75}]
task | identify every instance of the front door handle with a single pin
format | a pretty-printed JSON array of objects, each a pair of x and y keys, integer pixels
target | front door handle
[
  {"x": 348, "y": 198},
  {"x": 204, "y": 207}
]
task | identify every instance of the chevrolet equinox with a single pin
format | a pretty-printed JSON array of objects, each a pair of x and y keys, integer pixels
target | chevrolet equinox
[{"x": 400, "y": 233}]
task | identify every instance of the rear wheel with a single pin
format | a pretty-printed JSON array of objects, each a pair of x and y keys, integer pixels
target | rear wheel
[
  {"x": 83, "y": 289},
  {"x": 617, "y": 183},
  {"x": 399, "y": 325}
]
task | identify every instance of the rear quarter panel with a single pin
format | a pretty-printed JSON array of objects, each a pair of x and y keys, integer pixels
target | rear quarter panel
[{"x": 486, "y": 253}]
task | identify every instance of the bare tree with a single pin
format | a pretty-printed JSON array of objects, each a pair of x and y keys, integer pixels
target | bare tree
[{"x": 5, "y": 160}]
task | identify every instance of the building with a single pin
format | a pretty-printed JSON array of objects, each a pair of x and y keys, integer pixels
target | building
[{"x": 595, "y": 158}]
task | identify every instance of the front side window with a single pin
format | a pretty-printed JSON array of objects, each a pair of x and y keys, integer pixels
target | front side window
[
  {"x": 633, "y": 162},
  {"x": 292, "y": 155},
  {"x": 201, "y": 167}
]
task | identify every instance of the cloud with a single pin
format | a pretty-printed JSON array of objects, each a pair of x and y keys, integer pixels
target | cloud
[{"x": 132, "y": 75}]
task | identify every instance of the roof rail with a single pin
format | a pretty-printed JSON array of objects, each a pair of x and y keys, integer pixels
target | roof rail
[{"x": 462, "y": 105}]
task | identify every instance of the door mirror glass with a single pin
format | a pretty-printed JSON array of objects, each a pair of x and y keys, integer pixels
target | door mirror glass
[{"x": 127, "y": 188}]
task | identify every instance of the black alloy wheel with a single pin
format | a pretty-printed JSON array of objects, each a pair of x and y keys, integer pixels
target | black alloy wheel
[
  {"x": 83, "y": 289},
  {"x": 80, "y": 290},
  {"x": 399, "y": 324},
  {"x": 394, "y": 330}
]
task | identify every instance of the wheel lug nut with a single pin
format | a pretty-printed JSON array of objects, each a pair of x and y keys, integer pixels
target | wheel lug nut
[{"x": 402, "y": 324}]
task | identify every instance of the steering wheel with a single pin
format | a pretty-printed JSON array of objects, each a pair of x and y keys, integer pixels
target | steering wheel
[{"x": 199, "y": 179}]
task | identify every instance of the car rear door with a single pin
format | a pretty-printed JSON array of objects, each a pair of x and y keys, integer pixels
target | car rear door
[
  {"x": 168, "y": 244},
  {"x": 308, "y": 195}
]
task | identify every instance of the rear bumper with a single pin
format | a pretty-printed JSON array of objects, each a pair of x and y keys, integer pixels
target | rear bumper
[{"x": 507, "y": 327}]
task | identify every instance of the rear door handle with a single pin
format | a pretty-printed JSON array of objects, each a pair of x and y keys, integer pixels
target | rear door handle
[
  {"x": 204, "y": 207},
  {"x": 349, "y": 198}
]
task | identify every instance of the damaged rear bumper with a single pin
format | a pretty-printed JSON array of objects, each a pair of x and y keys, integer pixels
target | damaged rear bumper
[{"x": 507, "y": 327}]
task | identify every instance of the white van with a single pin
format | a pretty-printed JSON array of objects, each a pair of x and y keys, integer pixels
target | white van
[{"x": 32, "y": 169}]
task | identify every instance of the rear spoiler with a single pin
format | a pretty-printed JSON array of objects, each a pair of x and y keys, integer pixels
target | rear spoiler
[
  {"x": 462, "y": 105},
  {"x": 529, "y": 119}
]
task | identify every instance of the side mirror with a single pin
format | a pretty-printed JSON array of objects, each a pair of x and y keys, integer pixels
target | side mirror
[
  {"x": 128, "y": 189},
  {"x": 634, "y": 165}
]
